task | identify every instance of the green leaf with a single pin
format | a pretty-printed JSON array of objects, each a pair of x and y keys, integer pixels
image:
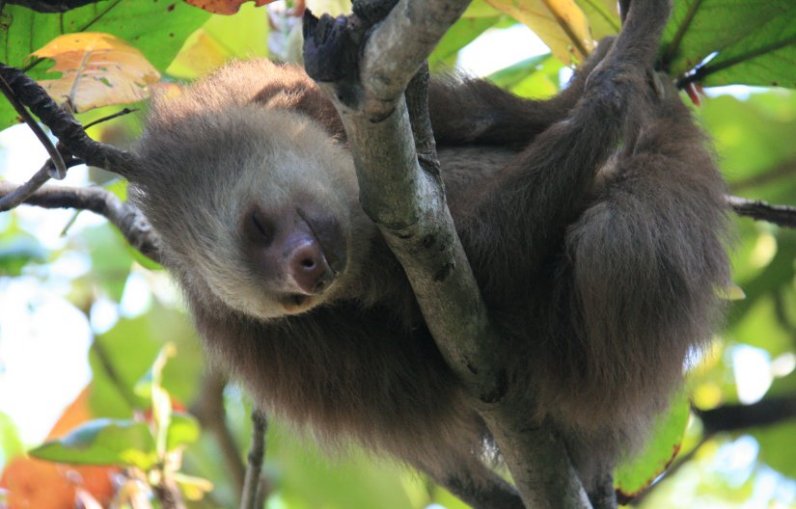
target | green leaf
[
  {"x": 156, "y": 28},
  {"x": 480, "y": 9},
  {"x": 754, "y": 42},
  {"x": 121, "y": 356},
  {"x": 154, "y": 377},
  {"x": 10, "y": 443},
  {"x": 18, "y": 252},
  {"x": 603, "y": 16},
  {"x": 183, "y": 430},
  {"x": 754, "y": 142},
  {"x": 161, "y": 419},
  {"x": 194, "y": 488},
  {"x": 110, "y": 259},
  {"x": 533, "y": 78},
  {"x": 221, "y": 38},
  {"x": 151, "y": 386},
  {"x": 462, "y": 33},
  {"x": 509, "y": 77},
  {"x": 103, "y": 442},
  {"x": 778, "y": 273},
  {"x": 636, "y": 474},
  {"x": 774, "y": 447},
  {"x": 118, "y": 187}
]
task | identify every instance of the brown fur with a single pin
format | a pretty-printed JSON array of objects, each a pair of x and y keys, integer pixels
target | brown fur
[{"x": 598, "y": 261}]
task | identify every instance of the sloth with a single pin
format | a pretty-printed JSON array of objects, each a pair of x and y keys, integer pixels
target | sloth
[{"x": 595, "y": 224}]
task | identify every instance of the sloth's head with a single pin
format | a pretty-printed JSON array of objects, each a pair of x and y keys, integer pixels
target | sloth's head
[{"x": 254, "y": 204}]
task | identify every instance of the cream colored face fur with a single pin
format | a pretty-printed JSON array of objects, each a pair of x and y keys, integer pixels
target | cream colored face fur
[{"x": 205, "y": 231}]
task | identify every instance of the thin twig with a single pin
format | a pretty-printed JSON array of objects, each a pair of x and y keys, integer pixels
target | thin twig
[
  {"x": 702, "y": 72},
  {"x": 21, "y": 193},
  {"x": 55, "y": 156},
  {"x": 126, "y": 217},
  {"x": 252, "y": 485},
  {"x": 781, "y": 215},
  {"x": 65, "y": 127},
  {"x": 121, "y": 113},
  {"x": 168, "y": 494}
]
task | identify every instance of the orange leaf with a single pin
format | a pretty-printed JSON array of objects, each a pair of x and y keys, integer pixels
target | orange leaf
[
  {"x": 224, "y": 6},
  {"x": 34, "y": 483},
  {"x": 75, "y": 414},
  {"x": 97, "y": 70},
  {"x": 561, "y": 24}
]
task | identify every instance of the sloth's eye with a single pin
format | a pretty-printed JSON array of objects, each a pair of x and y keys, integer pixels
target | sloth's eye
[{"x": 258, "y": 228}]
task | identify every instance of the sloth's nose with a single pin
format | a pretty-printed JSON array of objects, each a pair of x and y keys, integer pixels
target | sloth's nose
[{"x": 308, "y": 267}]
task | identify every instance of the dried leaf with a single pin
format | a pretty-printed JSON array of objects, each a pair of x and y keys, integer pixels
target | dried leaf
[
  {"x": 224, "y": 6},
  {"x": 561, "y": 24},
  {"x": 97, "y": 70}
]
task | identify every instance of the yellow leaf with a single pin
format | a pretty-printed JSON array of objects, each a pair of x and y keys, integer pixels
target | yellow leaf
[
  {"x": 603, "y": 16},
  {"x": 96, "y": 70},
  {"x": 194, "y": 488},
  {"x": 561, "y": 24},
  {"x": 731, "y": 292},
  {"x": 200, "y": 54}
]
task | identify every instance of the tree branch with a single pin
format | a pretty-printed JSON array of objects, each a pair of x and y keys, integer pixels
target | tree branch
[
  {"x": 52, "y": 5},
  {"x": 737, "y": 417},
  {"x": 408, "y": 204},
  {"x": 56, "y": 159},
  {"x": 127, "y": 218},
  {"x": 253, "y": 486},
  {"x": 781, "y": 215},
  {"x": 209, "y": 409},
  {"x": 70, "y": 133}
]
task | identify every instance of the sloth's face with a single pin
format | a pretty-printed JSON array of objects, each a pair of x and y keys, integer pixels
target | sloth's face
[{"x": 259, "y": 213}]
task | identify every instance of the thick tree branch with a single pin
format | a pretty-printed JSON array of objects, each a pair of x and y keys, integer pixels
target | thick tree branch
[
  {"x": 423, "y": 134},
  {"x": 766, "y": 412},
  {"x": 127, "y": 218},
  {"x": 403, "y": 199},
  {"x": 781, "y": 215},
  {"x": 408, "y": 204},
  {"x": 51, "y": 6}
]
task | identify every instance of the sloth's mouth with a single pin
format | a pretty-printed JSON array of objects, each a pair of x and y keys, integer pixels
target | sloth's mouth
[{"x": 296, "y": 303}]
